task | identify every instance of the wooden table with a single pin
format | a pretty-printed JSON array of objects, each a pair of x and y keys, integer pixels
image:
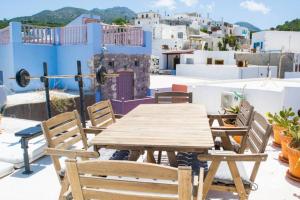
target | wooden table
[{"x": 165, "y": 127}]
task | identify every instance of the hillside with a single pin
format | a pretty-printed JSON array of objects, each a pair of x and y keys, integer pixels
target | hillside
[
  {"x": 65, "y": 15},
  {"x": 290, "y": 26},
  {"x": 251, "y": 27}
]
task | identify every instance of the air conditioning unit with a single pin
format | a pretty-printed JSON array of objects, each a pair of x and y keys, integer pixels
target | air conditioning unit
[{"x": 231, "y": 99}]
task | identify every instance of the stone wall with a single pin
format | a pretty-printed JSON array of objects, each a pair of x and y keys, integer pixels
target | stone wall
[{"x": 114, "y": 63}]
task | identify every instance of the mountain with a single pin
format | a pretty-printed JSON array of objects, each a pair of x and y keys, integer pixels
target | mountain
[
  {"x": 251, "y": 27},
  {"x": 293, "y": 25},
  {"x": 65, "y": 15}
]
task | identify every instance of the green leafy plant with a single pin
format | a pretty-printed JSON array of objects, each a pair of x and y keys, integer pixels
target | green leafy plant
[
  {"x": 284, "y": 118},
  {"x": 294, "y": 131},
  {"x": 232, "y": 110}
]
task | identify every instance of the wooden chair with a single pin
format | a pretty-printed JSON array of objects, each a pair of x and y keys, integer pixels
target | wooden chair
[
  {"x": 173, "y": 97},
  {"x": 227, "y": 172},
  {"x": 166, "y": 98},
  {"x": 128, "y": 181},
  {"x": 102, "y": 115},
  {"x": 63, "y": 133},
  {"x": 242, "y": 122}
]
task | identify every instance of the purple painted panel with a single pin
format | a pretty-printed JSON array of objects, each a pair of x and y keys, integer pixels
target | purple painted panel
[
  {"x": 125, "y": 87},
  {"x": 124, "y": 107}
]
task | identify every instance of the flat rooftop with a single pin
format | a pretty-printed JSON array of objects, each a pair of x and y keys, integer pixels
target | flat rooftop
[{"x": 43, "y": 183}]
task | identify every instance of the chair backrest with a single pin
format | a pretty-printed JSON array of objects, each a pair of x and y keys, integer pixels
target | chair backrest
[
  {"x": 173, "y": 97},
  {"x": 245, "y": 115},
  {"x": 63, "y": 132},
  {"x": 259, "y": 134},
  {"x": 124, "y": 180},
  {"x": 101, "y": 114}
]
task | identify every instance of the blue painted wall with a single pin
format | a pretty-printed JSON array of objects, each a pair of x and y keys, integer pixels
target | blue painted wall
[{"x": 61, "y": 59}]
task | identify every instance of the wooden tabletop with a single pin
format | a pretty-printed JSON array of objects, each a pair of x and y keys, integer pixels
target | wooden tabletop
[{"x": 170, "y": 127}]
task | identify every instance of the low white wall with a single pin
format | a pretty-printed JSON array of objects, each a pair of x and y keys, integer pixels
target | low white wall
[
  {"x": 288, "y": 75},
  {"x": 223, "y": 72},
  {"x": 263, "y": 101}
]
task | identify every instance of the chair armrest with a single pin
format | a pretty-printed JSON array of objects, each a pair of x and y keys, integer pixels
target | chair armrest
[
  {"x": 231, "y": 156},
  {"x": 119, "y": 116},
  {"x": 92, "y": 130},
  {"x": 230, "y": 128},
  {"x": 224, "y": 133},
  {"x": 228, "y": 116},
  {"x": 71, "y": 153}
]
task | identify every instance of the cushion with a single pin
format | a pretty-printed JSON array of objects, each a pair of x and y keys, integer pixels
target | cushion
[
  {"x": 5, "y": 169},
  {"x": 10, "y": 145},
  {"x": 223, "y": 175}
]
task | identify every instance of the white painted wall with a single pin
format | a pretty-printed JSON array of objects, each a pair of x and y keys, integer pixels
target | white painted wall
[
  {"x": 265, "y": 95},
  {"x": 224, "y": 72},
  {"x": 200, "y": 57},
  {"x": 287, "y": 41}
]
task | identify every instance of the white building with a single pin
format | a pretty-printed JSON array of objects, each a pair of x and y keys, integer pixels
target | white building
[
  {"x": 285, "y": 41},
  {"x": 147, "y": 19}
]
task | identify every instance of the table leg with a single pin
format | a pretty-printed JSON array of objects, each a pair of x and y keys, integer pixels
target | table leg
[
  {"x": 172, "y": 158},
  {"x": 150, "y": 156},
  {"x": 24, "y": 146},
  {"x": 134, "y": 155}
]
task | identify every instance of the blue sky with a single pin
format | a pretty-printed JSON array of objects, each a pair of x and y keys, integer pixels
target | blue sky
[{"x": 262, "y": 13}]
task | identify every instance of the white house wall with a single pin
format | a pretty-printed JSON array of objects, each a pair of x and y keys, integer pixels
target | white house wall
[
  {"x": 200, "y": 57},
  {"x": 223, "y": 72}
]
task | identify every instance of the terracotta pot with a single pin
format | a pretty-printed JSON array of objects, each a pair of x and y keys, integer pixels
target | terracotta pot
[
  {"x": 285, "y": 141},
  {"x": 277, "y": 130},
  {"x": 238, "y": 139},
  {"x": 294, "y": 161}
]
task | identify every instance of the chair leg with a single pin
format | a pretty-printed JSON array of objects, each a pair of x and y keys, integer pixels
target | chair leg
[
  {"x": 210, "y": 177},
  {"x": 159, "y": 157},
  {"x": 64, "y": 188},
  {"x": 237, "y": 180}
]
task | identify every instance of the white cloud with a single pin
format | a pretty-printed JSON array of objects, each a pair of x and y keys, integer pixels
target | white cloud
[
  {"x": 255, "y": 6},
  {"x": 171, "y": 4},
  {"x": 190, "y": 3}
]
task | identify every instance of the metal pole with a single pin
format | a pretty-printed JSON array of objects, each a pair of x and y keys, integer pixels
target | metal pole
[
  {"x": 79, "y": 79},
  {"x": 45, "y": 80}
]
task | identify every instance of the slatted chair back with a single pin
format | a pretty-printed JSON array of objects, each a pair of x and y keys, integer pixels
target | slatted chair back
[
  {"x": 259, "y": 134},
  {"x": 173, "y": 97},
  {"x": 62, "y": 132},
  {"x": 126, "y": 180},
  {"x": 245, "y": 115},
  {"x": 101, "y": 114}
]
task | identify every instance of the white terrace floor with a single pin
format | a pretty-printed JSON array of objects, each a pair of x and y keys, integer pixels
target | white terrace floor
[{"x": 43, "y": 183}]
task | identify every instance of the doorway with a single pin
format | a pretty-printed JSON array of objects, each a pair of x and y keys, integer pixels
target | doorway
[{"x": 125, "y": 86}]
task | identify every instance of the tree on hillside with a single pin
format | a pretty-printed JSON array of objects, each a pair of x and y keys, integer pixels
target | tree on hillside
[{"x": 120, "y": 21}]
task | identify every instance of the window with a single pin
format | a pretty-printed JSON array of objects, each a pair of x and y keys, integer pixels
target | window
[
  {"x": 111, "y": 63},
  {"x": 180, "y": 35},
  {"x": 139, "y": 22},
  {"x": 136, "y": 63},
  {"x": 142, "y": 16},
  {"x": 147, "y": 15},
  {"x": 189, "y": 61}
]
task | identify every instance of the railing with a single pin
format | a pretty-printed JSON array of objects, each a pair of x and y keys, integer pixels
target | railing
[
  {"x": 4, "y": 36},
  {"x": 38, "y": 35},
  {"x": 125, "y": 36},
  {"x": 73, "y": 35}
]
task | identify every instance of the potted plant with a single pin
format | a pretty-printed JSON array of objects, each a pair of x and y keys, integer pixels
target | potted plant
[
  {"x": 293, "y": 150},
  {"x": 280, "y": 123},
  {"x": 286, "y": 138},
  {"x": 231, "y": 122}
]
